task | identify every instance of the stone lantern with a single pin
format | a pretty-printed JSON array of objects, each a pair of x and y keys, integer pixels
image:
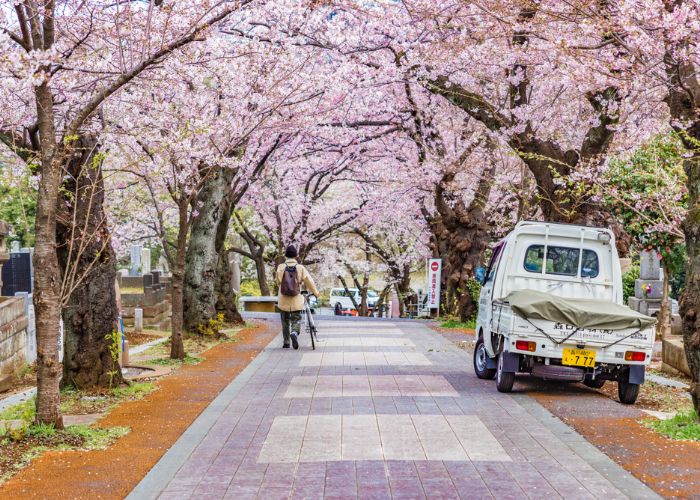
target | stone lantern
[{"x": 4, "y": 254}]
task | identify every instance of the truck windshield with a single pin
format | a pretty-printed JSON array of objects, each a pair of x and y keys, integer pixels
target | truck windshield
[{"x": 561, "y": 261}]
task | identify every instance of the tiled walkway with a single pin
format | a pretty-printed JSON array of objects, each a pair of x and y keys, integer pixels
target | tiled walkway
[{"x": 379, "y": 410}]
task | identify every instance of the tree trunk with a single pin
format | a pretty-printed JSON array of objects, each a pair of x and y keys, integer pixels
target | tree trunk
[
  {"x": 47, "y": 277},
  {"x": 225, "y": 295},
  {"x": 350, "y": 295},
  {"x": 256, "y": 253},
  {"x": 460, "y": 235},
  {"x": 177, "y": 346},
  {"x": 682, "y": 98},
  {"x": 363, "y": 296},
  {"x": 381, "y": 301},
  {"x": 403, "y": 290},
  {"x": 690, "y": 299},
  {"x": 202, "y": 257},
  {"x": 88, "y": 264},
  {"x": 260, "y": 269}
]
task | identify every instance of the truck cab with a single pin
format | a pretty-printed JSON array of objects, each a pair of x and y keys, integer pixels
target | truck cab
[{"x": 552, "y": 292}]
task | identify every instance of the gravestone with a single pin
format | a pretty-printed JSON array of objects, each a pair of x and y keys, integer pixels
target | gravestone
[
  {"x": 61, "y": 345},
  {"x": 147, "y": 280},
  {"x": 30, "y": 346},
  {"x": 145, "y": 261},
  {"x": 649, "y": 265},
  {"x": 18, "y": 273},
  {"x": 135, "y": 268},
  {"x": 163, "y": 264},
  {"x": 4, "y": 256},
  {"x": 138, "y": 320},
  {"x": 648, "y": 288}
]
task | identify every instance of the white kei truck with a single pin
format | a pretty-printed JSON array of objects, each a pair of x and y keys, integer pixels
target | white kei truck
[{"x": 551, "y": 306}]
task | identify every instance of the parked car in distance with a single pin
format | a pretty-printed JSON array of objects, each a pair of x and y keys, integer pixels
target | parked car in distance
[{"x": 344, "y": 298}]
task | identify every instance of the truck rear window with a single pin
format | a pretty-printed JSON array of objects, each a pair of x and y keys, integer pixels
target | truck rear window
[{"x": 561, "y": 261}]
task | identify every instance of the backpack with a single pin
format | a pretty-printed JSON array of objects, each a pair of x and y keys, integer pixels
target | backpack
[{"x": 290, "y": 282}]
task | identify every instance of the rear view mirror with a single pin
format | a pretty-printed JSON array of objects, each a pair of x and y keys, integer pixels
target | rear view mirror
[{"x": 480, "y": 274}]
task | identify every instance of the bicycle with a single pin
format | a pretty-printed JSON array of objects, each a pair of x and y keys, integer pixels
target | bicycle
[{"x": 310, "y": 325}]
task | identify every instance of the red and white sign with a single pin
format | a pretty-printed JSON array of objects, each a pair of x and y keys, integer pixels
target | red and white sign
[{"x": 434, "y": 271}]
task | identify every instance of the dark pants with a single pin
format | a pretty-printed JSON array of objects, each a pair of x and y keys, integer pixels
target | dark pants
[{"x": 291, "y": 322}]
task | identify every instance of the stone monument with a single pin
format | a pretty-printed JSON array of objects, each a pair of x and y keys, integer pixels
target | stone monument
[
  {"x": 145, "y": 261},
  {"x": 4, "y": 255},
  {"x": 648, "y": 288},
  {"x": 163, "y": 265},
  {"x": 135, "y": 268}
]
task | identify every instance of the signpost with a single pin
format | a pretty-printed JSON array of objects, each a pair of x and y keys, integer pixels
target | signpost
[{"x": 434, "y": 272}]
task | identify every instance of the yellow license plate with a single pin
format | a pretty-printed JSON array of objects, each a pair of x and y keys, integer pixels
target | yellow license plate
[{"x": 578, "y": 357}]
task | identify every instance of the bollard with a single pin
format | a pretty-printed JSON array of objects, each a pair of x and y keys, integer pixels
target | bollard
[
  {"x": 138, "y": 320},
  {"x": 125, "y": 354}
]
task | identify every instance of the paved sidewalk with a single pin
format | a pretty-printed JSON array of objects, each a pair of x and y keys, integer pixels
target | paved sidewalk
[{"x": 379, "y": 410}]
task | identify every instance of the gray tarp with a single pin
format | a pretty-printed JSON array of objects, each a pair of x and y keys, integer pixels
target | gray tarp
[{"x": 582, "y": 313}]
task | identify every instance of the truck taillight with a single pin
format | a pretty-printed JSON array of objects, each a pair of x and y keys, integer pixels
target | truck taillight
[
  {"x": 524, "y": 345},
  {"x": 635, "y": 356}
]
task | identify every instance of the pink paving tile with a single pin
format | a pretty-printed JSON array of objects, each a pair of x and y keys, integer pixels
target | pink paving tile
[
  {"x": 273, "y": 493},
  {"x": 406, "y": 488},
  {"x": 224, "y": 462}
]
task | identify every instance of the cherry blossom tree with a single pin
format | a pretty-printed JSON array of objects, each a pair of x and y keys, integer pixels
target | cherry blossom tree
[
  {"x": 647, "y": 192},
  {"x": 60, "y": 64}
]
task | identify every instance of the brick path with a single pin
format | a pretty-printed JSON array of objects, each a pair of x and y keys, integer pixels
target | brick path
[{"x": 379, "y": 410}]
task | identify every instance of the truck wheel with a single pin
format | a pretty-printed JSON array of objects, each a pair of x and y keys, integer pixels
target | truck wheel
[
  {"x": 594, "y": 383},
  {"x": 504, "y": 380},
  {"x": 627, "y": 392},
  {"x": 480, "y": 361}
]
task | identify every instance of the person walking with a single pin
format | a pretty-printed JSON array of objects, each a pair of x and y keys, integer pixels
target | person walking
[{"x": 290, "y": 302}]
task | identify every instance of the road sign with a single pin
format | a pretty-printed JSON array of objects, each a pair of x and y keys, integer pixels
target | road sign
[{"x": 434, "y": 271}]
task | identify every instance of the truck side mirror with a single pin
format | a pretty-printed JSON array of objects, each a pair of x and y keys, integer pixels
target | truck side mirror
[{"x": 480, "y": 274}]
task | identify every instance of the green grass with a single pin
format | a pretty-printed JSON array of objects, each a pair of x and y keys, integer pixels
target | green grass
[
  {"x": 97, "y": 438},
  {"x": 684, "y": 426},
  {"x": 189, "y": 360},
  {"x": 45, "y": 430},
  {"x": 70, "y": 398},
  {"x": 21, "y": 411},
  {"x": 136, "y": 390},
  {"x": 455, "y": 323}
]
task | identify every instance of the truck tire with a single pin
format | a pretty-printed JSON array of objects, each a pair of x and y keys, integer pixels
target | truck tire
[
  {"x": 504, "y": 380},
  {"x": 627, "y": 392},
  {"x": 594, "y": 383},
  {"x": 480, "y": 359}
]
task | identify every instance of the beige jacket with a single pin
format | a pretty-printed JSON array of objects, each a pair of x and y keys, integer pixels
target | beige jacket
[{"x": 285, "y": 303}]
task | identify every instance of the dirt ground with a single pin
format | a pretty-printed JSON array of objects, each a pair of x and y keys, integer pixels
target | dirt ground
[
  {"x": 156, "y": 422},
  {"x": 669, "y": 467},
  {"x": 14, "y": 453},
  {"x": 140, "y": 338}
]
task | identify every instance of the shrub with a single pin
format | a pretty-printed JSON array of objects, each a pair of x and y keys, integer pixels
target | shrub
[
  {"x": 250, "y": 288},
  {"x": 628, "y": 279}
]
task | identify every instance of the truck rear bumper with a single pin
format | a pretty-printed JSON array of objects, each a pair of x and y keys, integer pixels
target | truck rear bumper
[{"x": 612, "y": 355}]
